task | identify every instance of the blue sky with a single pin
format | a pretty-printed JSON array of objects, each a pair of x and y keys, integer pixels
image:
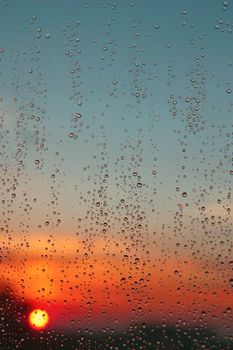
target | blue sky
[{"x": 125, "y": 67}]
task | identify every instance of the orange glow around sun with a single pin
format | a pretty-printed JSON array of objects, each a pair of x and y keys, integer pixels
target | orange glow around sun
[{"x": 38, "y": 319}]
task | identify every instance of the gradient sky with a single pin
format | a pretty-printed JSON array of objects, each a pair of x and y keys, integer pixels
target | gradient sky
[{"x": 116, "y": 137}]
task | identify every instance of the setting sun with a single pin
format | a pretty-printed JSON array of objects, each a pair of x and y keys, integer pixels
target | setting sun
[{"x": 38, "y": 319}]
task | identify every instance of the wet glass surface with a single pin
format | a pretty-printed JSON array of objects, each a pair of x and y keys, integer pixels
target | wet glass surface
[{"x": 116, "y": 174}]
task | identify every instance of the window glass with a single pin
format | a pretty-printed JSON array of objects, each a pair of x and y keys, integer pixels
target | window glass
[{"x": 116, "y": 174}]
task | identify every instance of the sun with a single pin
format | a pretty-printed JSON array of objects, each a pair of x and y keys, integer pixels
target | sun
[{"x": 38, "y": 319}]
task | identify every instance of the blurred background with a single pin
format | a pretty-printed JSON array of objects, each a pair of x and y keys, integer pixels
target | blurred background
[{"x": 116, "y": 174}]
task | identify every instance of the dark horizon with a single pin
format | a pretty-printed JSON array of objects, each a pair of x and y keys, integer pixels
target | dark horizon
[{"x": 15, "y": 331}]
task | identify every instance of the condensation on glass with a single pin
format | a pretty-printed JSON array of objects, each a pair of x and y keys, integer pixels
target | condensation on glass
[{"x": 116, "y": 174}]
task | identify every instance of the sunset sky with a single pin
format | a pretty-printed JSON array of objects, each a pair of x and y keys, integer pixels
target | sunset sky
[{"x": 116, "y": 161}]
